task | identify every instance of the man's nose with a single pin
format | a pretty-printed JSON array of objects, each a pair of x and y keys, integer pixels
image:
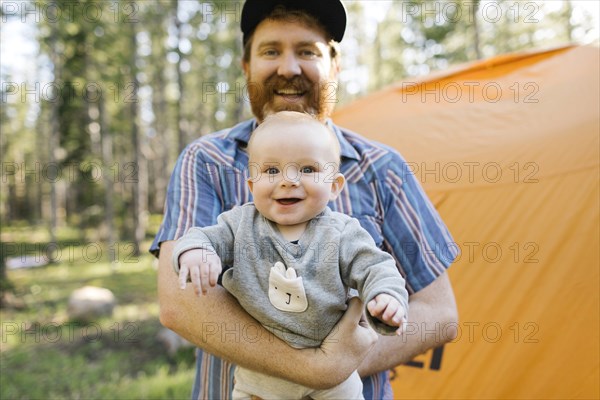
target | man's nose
[{"x": 289, "y": 66}]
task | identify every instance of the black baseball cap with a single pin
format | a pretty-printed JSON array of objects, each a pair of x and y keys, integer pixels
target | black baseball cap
[{"x": 330, "y": 13}]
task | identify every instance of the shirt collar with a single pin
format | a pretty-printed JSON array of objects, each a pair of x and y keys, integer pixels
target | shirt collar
[
  {"x": 242, "y": 131},
  {"x": 346, "y": 149}
]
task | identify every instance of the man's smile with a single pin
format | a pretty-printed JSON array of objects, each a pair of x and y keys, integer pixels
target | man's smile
[{"x": 289, "y": 94}]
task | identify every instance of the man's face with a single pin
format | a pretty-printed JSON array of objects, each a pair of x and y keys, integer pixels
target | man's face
[{"x": 291, "y": 69}]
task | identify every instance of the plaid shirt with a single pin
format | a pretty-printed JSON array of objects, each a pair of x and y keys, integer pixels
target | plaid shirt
[{"x": 381, "y": 192}]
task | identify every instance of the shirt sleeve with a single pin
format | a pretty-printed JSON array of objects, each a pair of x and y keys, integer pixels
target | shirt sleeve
[
  {"x": 370, "y": 270},
  {"x": 413, "y": 231},
  {"x": 218, "y": 238},
  {"x": 191, "y": 197}
]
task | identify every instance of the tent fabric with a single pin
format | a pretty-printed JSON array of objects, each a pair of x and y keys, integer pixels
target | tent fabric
[{"x": 508, "y": 150}]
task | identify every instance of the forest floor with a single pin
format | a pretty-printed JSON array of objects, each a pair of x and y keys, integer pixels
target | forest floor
[{"x": 45, "y": 355}]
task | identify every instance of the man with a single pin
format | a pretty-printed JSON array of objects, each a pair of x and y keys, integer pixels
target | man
[{"x": 291, "y": 63}]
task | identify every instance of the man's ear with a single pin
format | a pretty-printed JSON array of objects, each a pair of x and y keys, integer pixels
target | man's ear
[
  {"x": 339, "y": 180},
  {"x": 245, "y": 68},
  {"x": 336, "y": 65}
]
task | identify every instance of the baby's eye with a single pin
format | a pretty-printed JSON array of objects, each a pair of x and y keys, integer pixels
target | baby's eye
[
  {"x": 272, "y": 170},
  {"x": 307, "y": 170}
]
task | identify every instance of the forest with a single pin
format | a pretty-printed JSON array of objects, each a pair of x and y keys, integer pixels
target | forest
[
  {"x": 98, "y": 98},
  {"x": 93, "y": 120}
]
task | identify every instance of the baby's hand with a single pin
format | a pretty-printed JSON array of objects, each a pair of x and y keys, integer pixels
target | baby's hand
[
  {"x": 201, "y": 267},
  {"x": 389, "y": 310}
]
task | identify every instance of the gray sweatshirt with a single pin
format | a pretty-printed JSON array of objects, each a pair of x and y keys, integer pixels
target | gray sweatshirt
[{"x": 298, "y": 291}]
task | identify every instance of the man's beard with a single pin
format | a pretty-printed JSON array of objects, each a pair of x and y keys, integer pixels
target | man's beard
[{"x": 318, "y": 99}]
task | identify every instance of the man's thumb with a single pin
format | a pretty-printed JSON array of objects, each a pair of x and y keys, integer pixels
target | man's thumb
[{"x": 355, "y": 314}]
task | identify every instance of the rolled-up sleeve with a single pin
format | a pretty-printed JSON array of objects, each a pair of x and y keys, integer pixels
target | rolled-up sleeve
[
  {"x": 192, "y": 199},
  {"x": 413, "y": 231}
]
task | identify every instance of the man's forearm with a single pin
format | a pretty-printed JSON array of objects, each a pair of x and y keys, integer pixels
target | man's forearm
[
  {"x": 432, "y": 321},
  {"x": 217, "y": 324}
]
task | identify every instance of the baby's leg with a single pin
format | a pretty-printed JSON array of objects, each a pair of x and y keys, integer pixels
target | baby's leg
[
  {"x": 252, "y": 385},
  {"x": 238, "y": 394},
  {"x": 350, "y": 389}
]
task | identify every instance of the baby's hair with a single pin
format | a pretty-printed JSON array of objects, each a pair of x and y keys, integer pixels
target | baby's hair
[{"x": 295, "y": 117}]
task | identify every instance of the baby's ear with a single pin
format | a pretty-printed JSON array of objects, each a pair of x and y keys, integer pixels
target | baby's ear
[
  {"x": 250, "y": 182},
  {"x": 337, "y": 184}
]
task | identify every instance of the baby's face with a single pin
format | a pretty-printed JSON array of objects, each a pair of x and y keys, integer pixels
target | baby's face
[{"x": 294, "y": 171}]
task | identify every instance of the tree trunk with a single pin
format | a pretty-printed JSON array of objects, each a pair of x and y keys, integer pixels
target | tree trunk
[
  {"x": 181, "y": 137},
  {"x": 54, "y": 141},
  {"x": 476, "y": 40},
  {"x": 109, "y": 192},
  {"x": 140, "y": 184},
  {"x": 569, "y": 26}
]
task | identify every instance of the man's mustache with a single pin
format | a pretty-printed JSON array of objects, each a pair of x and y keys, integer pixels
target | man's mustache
[{"x": 298, "y": 83}]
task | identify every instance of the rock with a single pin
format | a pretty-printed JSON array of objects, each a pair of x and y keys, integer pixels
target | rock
[
  {"x": 172, "y": 341},
  {"x": 26, "y": 262},
  {"x": 90, "y": 303}
]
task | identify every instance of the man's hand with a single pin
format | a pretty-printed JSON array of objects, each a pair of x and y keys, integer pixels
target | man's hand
[
  {"x": 434, "y": 316},
  {"x": 352, "y": 337},
  {"x": 201, "y": 267},
  {"x": 389, "y": 310},
  {"x": 321, "y": 368}
]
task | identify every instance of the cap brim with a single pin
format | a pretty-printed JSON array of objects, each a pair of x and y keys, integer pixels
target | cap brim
[{"x": 330, "y": 13}]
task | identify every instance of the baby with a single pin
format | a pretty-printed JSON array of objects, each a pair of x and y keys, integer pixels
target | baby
[{"x": 293, "y": 259}]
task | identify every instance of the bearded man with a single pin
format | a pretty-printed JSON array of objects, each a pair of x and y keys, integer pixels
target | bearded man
[{"x": 291, "y": 62}]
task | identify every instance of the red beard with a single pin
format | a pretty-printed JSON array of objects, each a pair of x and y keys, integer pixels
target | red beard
[{"x": 318, "y": 99}]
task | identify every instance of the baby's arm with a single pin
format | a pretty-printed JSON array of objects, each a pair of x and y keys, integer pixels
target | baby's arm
[
  {"x": 200, "y": 266},
  {"x": 198, "y": 255},
  {"x": 374, "y": 274},
  {"x": 388, "y": 310}
]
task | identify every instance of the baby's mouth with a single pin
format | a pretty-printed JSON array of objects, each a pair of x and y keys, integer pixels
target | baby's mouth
[{"x": 287, "y": 202}]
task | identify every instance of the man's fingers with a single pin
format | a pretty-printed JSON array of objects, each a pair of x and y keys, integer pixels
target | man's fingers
[{"x": 353, "y": 314}]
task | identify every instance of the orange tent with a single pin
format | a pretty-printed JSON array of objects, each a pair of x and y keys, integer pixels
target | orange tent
[{"x": 508, "y": 151}]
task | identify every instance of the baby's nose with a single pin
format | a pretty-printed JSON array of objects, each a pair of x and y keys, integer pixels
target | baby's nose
[{"x": 291, "y": 178}]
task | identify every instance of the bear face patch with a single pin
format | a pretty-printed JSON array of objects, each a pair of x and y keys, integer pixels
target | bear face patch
[{"x": 286, "y": 289}]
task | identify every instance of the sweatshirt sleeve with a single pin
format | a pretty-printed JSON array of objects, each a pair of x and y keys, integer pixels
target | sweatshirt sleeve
[
  {"x": 370, "y": 270},
  {"x": 219, "y": 238}
]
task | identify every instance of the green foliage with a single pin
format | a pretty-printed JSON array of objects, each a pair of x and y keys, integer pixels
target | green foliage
[
  {"x": 420, "y": 36},
  {"x": 132, "y": 83},
  {"x": 46, "y": 356},
  {"x": 92, "y": 371},
  {"x": 121, "y": 89}
]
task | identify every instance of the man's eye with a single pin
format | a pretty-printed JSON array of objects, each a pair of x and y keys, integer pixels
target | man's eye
[
  {"x": 270, "y": 53},
  {"x": 307, "y": 53},
  {"x": 272, "y": 171}
]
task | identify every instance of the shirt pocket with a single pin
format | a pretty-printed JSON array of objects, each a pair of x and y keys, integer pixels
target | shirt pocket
[{"x": 372, "y": 225}]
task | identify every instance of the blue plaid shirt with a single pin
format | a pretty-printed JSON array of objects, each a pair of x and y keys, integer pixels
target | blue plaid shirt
[{"x": 381, "y": 192}]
